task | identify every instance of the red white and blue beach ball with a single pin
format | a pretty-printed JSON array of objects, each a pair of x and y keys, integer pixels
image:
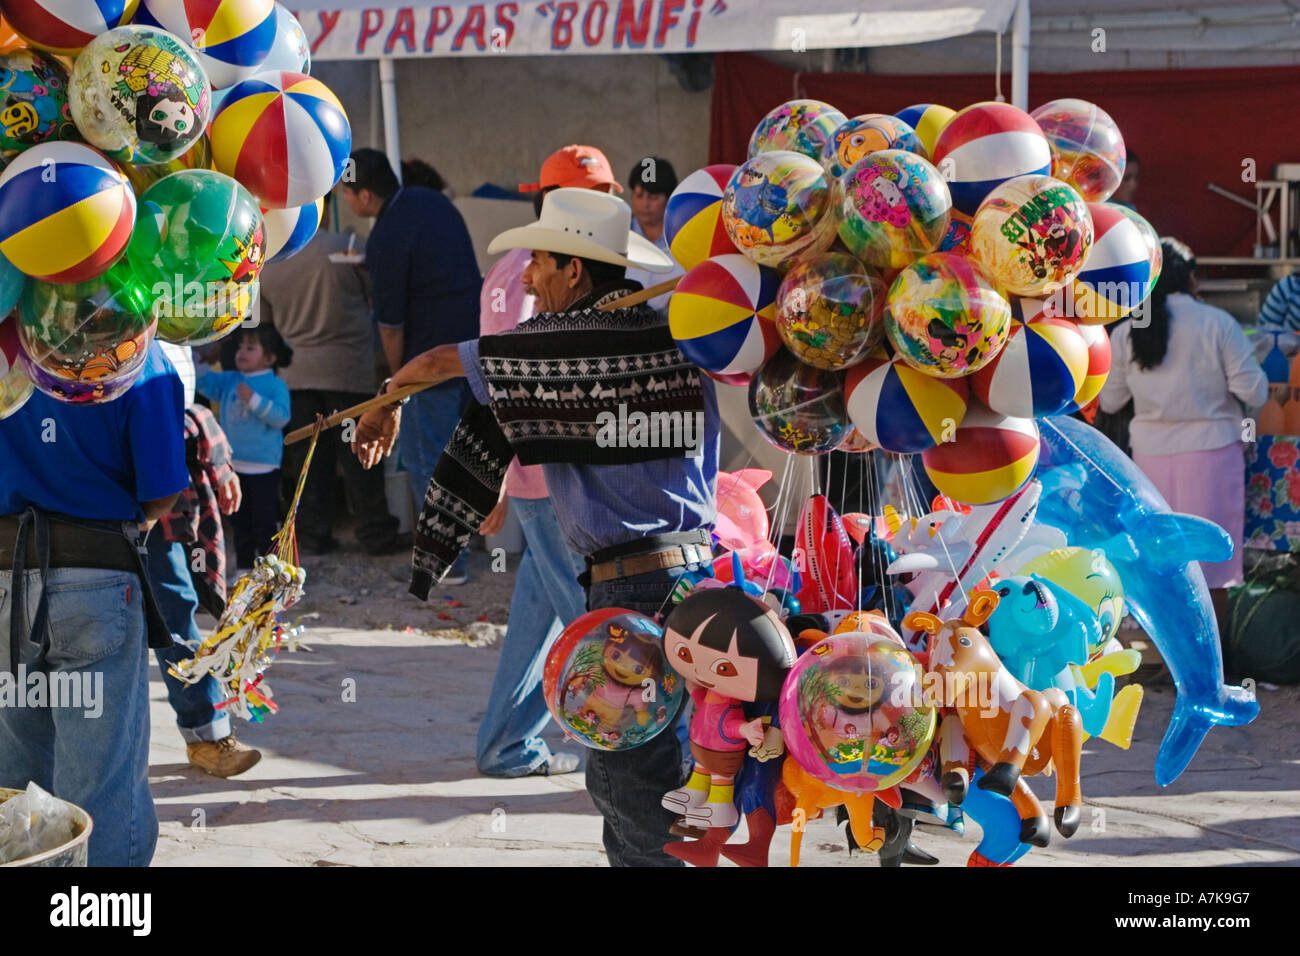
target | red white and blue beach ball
[
  {"x": 983, "y": 146},
  {"x": 65, "y": 26},
  {"x": 722, "y": 317},
  {"x": 1117, "y": 274},
  {"x": 231, "y": 37},
  {"x": 284, "y": 136}
]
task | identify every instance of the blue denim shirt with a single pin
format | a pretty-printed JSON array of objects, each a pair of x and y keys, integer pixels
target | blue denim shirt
[{"x": 599, "y": 506}]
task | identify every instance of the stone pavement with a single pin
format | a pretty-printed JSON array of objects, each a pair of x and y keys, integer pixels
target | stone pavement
[{"x": 388, "y": 779}]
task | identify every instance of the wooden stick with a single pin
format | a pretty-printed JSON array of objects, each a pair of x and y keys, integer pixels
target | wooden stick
[{"x": 379, "y": 401}]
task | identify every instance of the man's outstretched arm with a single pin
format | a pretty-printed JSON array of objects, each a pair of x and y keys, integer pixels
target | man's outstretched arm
[{"x": 377, "y": 430}]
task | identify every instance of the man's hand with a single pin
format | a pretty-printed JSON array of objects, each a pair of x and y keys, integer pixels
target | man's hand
[
  {"x": 244, "y": 392},
  {"x": 376, "y": 434},
  {"x": 496, "y": 518},
  {"x": 229, "y": 495}
]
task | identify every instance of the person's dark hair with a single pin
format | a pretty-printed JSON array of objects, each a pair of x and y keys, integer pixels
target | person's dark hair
[
  {"x": 272, "y": 343},
  {"x": 601, "y": 273},
  {"x": 1131, "y": 156},
  {"x": 537, "y": 200},
  {"x": 727, "y": 612},
  {"x": 1151, "y": 341},
  {"x": 654, "y": 174},
  {"x": 416, "y": 172},
  {"x": 371, "y": 170}
]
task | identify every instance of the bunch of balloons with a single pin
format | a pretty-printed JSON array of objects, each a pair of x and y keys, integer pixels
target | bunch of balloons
[
  {"x": 157, "y": 154},
  {"x": 930, "y": 282}
]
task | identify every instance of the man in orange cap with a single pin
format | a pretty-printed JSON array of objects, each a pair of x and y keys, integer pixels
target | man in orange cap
[{"x": 547, "y": 596}]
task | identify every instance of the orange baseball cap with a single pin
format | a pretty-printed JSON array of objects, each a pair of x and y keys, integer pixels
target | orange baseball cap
[{"x": 584, "y": 167}]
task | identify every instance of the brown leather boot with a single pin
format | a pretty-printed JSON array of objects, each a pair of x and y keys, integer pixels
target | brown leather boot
[{"x": 226, "y": 757}]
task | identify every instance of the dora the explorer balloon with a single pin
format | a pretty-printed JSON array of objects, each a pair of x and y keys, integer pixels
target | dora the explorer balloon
[
  {"x": 628, "y": 659},
  {"x": 730, "y": 648}
]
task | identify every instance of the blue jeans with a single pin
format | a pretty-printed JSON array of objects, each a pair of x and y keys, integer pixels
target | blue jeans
[
  {"x": 195, "y": 704},
  {"x": 627, "y": 786},
  {"x": 95, "y": 755},
  {"x": 547, "y": 597}
]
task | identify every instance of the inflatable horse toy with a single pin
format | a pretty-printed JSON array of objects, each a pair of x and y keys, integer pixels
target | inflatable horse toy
[{"x": 1014, "y": 729}]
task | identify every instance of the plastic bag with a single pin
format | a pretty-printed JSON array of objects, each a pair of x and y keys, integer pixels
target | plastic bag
[{"x": 33, "y": 822}]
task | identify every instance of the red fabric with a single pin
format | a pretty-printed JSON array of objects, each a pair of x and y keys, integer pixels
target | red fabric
[{"x": 1190, "y": 127}]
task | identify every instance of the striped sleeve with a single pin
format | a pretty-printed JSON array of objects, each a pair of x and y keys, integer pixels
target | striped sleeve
[{"x": 1281, "y": 311}]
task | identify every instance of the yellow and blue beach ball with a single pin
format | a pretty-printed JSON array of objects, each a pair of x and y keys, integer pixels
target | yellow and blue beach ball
[
  {"x": 232, "y": 37},
  {"x": 284, "y": 136},
  {"x": 66, "y": 212},
  {"x": 722, "y": 317},
  {"x": 928, "y": 120},
  {"x": 693, "y": 217},
  {"x": 900, "y": 409},
  {"x": 1039, "y": 370}
]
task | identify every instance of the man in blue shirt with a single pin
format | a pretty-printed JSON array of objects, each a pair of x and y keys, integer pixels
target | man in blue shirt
[
  {"x": 641, "y": 525},
  {"x": 425, "y": 286},
  {"x": 74, "y": 670}
]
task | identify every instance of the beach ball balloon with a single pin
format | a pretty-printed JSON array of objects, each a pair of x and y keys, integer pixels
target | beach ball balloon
[
  {"x": 829, "y": 309},
  {"x": 801, "y": 126},
  {"x": 1097, "y": 339},
  {"x": 1039, "y": 370},
  {"x": 231, "y": 37},
  {"x": 853, "y": 714},
  {"x": 284, "y": 136},
  {"x": 65, "y": 26},
  {"x": 944, "y": 317},
  {"x": 198, "y": 156},
  {"x": 895, "y": 207},
  {"x": 721, "y": 317},
  {"x": 928, "y": 120},
  {"x": 85, "y": 343},
  {"x": 1032, "y": 234},
  {"x": 693, "y": 217},
  {"x": 856, "y": 443},
  {"x": 290, "y": 49},
  {"x": 1117, "y": 276},
  {"x": 606, "y": 681},
  {"x": 990, "y": 459},
  {"x": 985, "y": 145},
  {"x": 895, "y": 407},
  {"x": 797, "y": 407},
  {"x": 1087, "y": 148},
  {"x": 139, "y": 94},
  {"x": 289, "y": 230},
  {"x": 197, "y": 232},
  {"x": 1155, "y": 253},
  {"x": 66, "y": 212},
  {"x": 866, "y": 134},
  {"x": 778, "y": 205},
  {"x": 15, "y": 386},
  {"x": 34, "y": 107}
]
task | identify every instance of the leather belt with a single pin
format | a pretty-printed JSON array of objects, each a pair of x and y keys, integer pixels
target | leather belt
[
  {"x": 70, "y": 547},
  {"x": 671, "y": 557}
]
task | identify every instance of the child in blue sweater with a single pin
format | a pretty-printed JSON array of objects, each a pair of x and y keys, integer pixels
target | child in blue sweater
[{"x": 254, "y": 408}]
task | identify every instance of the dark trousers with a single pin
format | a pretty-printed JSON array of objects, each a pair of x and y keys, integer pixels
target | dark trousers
[
  {"x": 365, "y": 489},
  {"x": 258, "y": 514}
]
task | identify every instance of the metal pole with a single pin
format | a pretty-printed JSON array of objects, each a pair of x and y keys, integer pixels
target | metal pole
[
  {"x": 1020, "y": 55},
  {"x": 388, "y": 97}
]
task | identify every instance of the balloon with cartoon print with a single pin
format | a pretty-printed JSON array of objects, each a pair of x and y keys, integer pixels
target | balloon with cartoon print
[
  {"x": 140, "y": 95},
  {"x": 865, "y": 134},
  {"x": 1032, "y": 234},
  {"x": 606, "y": 683},
  {"x": 798, "y": 408},
  {"x": 779, "y": 205},
  {"x": 829, "y": 310},
  {"x": 15, "y": 386},
  {"x": 34, "y": 107},
  {"x": 801, "y": 126},
  {"x": 895, "y": 208},
  {"x": 944, "y": 316}
]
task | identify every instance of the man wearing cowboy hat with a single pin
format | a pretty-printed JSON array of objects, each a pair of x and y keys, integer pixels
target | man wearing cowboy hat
[{"x": 641, "y": 516}]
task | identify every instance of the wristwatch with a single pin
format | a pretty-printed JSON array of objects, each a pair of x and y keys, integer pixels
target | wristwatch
[{"x": 383, "y": 390}]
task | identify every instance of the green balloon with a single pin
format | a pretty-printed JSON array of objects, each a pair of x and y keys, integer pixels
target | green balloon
[{"x": 198, "y": 248}]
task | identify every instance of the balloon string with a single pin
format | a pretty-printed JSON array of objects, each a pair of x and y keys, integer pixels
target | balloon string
[{"x": 785, "y": 497}]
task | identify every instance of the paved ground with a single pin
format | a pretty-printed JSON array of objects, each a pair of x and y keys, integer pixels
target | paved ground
[{"x": 389, "y": 778}]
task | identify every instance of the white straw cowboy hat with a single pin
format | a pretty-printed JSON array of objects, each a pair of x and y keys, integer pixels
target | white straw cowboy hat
[{"x": 587, "y": 224}]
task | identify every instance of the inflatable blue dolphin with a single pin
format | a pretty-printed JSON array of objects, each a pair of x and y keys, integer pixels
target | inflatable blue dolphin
[{"x": 1100, "y": 499}]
